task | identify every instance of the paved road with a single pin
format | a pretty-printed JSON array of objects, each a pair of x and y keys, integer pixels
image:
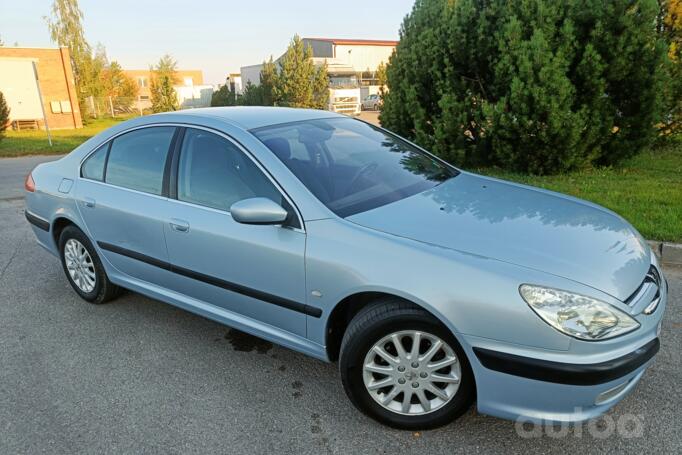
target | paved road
[
  {"x": 370, "y": 116},
  {"x": 137, "y": 375},
  {"x": 13, "y": 171}
]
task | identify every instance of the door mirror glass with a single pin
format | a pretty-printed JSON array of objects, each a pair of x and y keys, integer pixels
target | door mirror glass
[{"x": 258, "y": 210}]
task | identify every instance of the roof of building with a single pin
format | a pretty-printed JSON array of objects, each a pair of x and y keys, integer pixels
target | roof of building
[
  {"x": 36, "y": 48},
  {"x": 149, "y": 70},
  {"x": 356, "y": 42},
  {"x": 250, "y": 117}
]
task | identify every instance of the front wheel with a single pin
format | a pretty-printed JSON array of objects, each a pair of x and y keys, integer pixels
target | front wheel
[{"x": 400, "y": 366}]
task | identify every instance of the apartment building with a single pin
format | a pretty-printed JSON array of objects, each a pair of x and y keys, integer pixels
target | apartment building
[{"x": 187, "y": 81}]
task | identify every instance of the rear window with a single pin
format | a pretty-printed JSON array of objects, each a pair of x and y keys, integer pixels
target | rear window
[{"x": 137, "y": 159}]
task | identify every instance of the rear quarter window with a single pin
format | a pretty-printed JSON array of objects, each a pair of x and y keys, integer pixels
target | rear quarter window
[{"x": 93, "y": 167}]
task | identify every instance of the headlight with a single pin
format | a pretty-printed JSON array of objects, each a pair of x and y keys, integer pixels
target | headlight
[{"x": 577, "y": 315}]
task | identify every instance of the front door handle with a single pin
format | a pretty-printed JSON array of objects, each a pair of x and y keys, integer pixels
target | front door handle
[
  {"x": 89, "y": 202},
  {"x": 179, "y": 225}
]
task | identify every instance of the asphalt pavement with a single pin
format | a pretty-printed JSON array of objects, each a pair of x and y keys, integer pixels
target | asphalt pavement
[{"x": 139, "y": 376}]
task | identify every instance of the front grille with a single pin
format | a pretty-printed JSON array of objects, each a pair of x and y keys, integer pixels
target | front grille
[{"x": 652, "y": 278}]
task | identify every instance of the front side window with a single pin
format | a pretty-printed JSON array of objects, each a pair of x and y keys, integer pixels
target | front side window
[
  {"x": 137, "y": 159},
  {"x": 93, "y": 167},
  {"x": 214, "y": 173},
  {"x": 351, "y": 166}
]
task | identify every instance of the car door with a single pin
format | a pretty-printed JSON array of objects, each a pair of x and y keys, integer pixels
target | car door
[
  {"x": 254, "y": 270},
  {"x": 122, "y": 199}
]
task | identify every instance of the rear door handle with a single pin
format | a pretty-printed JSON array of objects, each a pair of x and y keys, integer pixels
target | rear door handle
[
  {"x": 89, "y": 202},
  {"x": 179, "y": 225}
]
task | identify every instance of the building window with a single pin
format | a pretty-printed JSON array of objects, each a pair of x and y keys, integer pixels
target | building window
[
  {"x": 188, "y": 81},
  {"x": 340, "y": 81},
  {"x": 144, "y": 97}
]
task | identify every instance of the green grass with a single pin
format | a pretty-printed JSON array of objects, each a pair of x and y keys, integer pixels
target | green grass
[
  {"x": 34, "y": 142},
  {"x": 646, "y": 190}
]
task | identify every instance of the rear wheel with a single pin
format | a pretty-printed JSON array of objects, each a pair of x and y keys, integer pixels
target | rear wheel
[
  {"x": 400, "y": 366},
  {"x": 83, "y": 267}
]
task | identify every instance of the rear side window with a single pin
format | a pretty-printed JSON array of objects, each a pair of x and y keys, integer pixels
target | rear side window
[
  {"x": 93, "y": 167},
  {"x": 137, "y": 159}
]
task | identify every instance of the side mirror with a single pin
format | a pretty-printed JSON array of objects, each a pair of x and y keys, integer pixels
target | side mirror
[{"x": 258, "y": 210}]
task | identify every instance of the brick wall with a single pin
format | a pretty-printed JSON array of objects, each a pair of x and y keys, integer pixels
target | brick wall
[{"x": 56, "y": 82}]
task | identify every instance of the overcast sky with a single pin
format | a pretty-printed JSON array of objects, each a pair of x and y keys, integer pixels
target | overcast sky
[{"x": 215, "y": 36}]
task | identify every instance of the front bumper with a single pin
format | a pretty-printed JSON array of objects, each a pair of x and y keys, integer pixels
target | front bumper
[
  {"x": 549, "y": 387},
  {"x": 551, "y": 403},
  {"x": 551, "y": 392}
]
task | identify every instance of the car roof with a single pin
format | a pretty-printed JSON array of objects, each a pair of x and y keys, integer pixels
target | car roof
[{"x": 250, "y": 117}]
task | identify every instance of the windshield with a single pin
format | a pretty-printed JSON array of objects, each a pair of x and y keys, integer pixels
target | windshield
[{"x": 351, "y": 166}]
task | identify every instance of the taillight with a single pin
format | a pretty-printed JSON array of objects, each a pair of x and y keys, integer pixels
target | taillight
[{"x": 29, "y": 184}]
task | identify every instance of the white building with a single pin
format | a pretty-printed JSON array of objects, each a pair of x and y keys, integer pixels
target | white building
[
  {"x": 193, "y": 96},
  {"x": 234, "y": 82},
  {"x": 351, "y": 64}
]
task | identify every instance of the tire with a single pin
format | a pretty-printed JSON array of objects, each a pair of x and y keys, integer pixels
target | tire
[
  {"x": 378, "y": 322},
  {"x": 102, "y": 290}
]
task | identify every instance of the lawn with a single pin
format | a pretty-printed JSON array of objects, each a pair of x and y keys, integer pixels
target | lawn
[
  {"x": 646, "y": 190},
  {"x": 22, "y": 143}
]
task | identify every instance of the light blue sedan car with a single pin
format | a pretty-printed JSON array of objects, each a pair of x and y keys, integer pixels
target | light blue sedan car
[{"x": 431, "y": 286}]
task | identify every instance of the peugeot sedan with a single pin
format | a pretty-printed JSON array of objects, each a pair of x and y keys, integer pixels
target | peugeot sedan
[{"x": 431, "y": 286}]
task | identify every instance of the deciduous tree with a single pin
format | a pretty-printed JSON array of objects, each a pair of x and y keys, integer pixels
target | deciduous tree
[
  {"x": 66, "y": 29},
  {"x": 117, "y": 85}
]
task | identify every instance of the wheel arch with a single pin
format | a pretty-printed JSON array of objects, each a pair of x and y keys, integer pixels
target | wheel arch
[
  {"x": 57, "y": 226},
  {"x": 344, "y": 311}
]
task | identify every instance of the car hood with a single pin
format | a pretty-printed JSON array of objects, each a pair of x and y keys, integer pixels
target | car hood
[{"x": 521, "y": 225}]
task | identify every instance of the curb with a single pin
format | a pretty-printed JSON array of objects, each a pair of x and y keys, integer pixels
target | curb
[{"x": 667, "y": 253}]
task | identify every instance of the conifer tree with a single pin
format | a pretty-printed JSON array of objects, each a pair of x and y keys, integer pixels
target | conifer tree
[{"x": 531, "y": 85}]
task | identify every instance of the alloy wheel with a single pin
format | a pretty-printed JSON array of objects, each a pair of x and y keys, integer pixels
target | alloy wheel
[
  {"x": 79, "y": 265},
  {"x": 411, "y": 372}
]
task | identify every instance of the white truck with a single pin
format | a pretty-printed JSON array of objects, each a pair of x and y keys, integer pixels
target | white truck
[{"x": 345, "y": 100}]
